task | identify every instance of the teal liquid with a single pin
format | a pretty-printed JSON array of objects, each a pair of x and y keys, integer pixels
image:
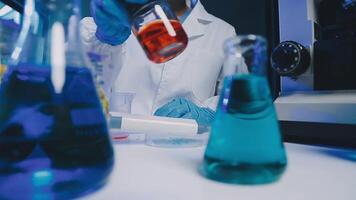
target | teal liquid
[{"x": 245, "y": 145}]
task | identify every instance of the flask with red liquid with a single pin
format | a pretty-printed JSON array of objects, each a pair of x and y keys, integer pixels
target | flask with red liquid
[{"x": 158, "y": 30}]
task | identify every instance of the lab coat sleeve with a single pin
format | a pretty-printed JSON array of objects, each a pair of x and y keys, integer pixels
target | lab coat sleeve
[
  {"x": 213, "y": 101},
  {"x": 112, "y": 57}
]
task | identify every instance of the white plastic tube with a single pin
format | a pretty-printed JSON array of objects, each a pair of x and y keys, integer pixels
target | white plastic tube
[{"x": 153, "y": 125}]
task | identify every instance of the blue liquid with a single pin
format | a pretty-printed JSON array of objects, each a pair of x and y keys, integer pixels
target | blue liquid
[
  {"x": 52, "y": 146},
  {"x": 175, "y": 141},
  {"x": 245, "y": 145}
]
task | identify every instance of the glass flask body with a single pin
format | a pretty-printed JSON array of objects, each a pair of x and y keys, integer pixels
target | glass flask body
[
  {"x": 54, "y": 141},
  {"x": 159, "y": 32},
  {"x": 245, "y": 146}
]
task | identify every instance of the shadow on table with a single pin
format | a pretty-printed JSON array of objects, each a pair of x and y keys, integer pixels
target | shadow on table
[{"x": 349, "y": 155}]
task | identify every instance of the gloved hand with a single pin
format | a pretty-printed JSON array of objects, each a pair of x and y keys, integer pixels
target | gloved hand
[
  {"x": 183, "y": 108},
  {"x": 112, "y": 20}
]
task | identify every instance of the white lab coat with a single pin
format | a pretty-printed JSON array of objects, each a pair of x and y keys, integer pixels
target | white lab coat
[{"x": 192, "y": 75}]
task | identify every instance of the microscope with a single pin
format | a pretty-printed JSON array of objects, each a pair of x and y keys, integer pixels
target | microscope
[{"x": 316, "y": 61}]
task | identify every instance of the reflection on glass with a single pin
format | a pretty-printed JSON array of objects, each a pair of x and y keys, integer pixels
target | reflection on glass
[{"x": 54, "y": 141}]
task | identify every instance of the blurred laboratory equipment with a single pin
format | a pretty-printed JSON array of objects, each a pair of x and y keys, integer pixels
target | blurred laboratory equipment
[
  {"x": 54, "y": 141},
  {"x": 126, "y": 127},
  {"x": 97, "y": 65},
  {"x": 157, "y": 131},
  {"x": 120, "y": 102},
  {"x": 245, "y": 146},
  {"x": 9, "y": 31},
  {"x": 9, "y": 13},
  {"x": 158, "y": 30},
  {"x": 291, "y": 59},
  {"x": 316, "y": 62}
]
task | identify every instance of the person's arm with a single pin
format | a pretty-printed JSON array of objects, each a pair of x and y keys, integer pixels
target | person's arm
[
  {"x": 110, "y": 56},
  {"x": 104, "y": 37}
]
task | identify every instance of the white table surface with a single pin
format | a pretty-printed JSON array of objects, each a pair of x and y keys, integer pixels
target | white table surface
[{"x": 148, "y": 173}]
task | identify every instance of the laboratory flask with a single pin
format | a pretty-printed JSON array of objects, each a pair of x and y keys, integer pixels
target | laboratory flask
[
  {"x": 54, "y": 141},
  {"x": 158, "y": 30},
  {"x": 245, "y": 146}
]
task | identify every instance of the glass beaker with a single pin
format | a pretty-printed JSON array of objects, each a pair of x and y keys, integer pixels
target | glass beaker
[
  {"x": 120, "y": 102},
  {"x": 159, "y": 31},
  {"x": 54, "y": 141},
  {"x": 245, "y": 146}
]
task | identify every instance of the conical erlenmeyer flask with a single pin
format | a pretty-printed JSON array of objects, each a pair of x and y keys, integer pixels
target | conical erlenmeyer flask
[
  {"x": 54, "y": 141},
  {"x": 245, "y": 145}
]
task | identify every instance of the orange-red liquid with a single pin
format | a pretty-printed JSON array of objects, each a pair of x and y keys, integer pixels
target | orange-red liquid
[{"x": 158, "y": 44}]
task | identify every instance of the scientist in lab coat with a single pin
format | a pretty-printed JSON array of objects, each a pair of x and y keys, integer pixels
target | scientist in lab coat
[{"x": 181, "y": 88}]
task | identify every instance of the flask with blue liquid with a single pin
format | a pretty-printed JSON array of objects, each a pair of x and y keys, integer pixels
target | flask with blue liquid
[
  {"x": 54, "y": 141},
  {"x": 245, "y": 146}
]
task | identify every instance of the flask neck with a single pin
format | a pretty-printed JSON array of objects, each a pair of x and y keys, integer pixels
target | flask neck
[
  {"x": 245, "y": 54},
  {"x": 50, "y": 31}
]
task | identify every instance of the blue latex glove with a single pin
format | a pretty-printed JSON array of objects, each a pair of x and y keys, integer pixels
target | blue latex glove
[
  {"x": 112, "y": 20},
  {"x": 183, "y": 108}
]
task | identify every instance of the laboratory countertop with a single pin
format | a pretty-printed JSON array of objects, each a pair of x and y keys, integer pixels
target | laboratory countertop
[{"x": 148, "y": 173}]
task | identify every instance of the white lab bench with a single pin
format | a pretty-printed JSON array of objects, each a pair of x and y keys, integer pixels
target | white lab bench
[{"x": 148, "y": 173}]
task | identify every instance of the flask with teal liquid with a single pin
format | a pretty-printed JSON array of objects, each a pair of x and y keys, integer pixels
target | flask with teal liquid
[{"x": 245, "y": 146}]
